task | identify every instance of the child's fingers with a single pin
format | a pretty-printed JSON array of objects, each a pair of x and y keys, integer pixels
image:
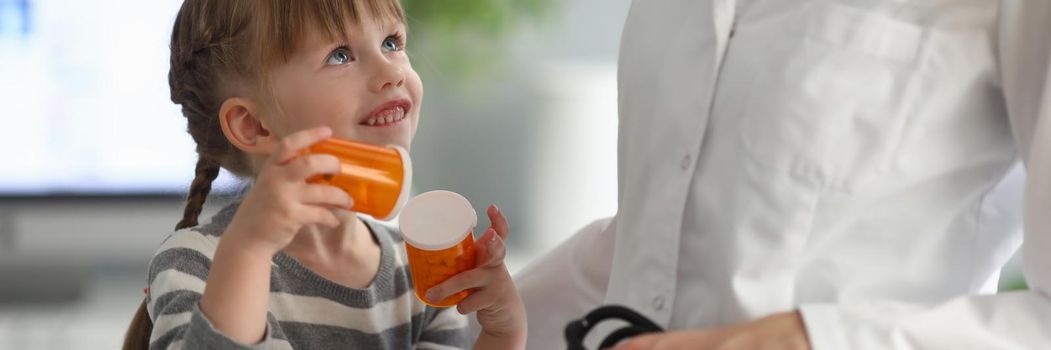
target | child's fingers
[
  {"x": 302, "y": 168},
  {"x": 460, "y": 282},
  {"x": 290, "y": 146},
  {"x": 490, "y": 250},
  {"x": 478, "y": 300},
  {"x": 498, "y": 221},
  {"x": 319, "y": 215},
  {"x": 326, "y": 195}
]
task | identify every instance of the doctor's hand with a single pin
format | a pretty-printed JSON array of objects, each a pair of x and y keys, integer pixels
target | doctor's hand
[
  {"x": 784, "y": 331},
  {"x": 500, "y": 311}
]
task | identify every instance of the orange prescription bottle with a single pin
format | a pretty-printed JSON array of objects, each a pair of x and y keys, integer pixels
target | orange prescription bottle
[
  {"x": 377, "y": 178},
  {"x": 438, "y": 228}
]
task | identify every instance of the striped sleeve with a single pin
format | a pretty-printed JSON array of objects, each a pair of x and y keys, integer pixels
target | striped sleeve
[{"x": 177, "y": 276}]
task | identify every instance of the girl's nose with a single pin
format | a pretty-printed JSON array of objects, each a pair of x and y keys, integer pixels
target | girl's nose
[{"x": 388, "y": 75}]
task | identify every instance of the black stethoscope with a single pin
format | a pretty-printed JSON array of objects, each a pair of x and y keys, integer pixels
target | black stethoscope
[{"x": 638, "y": 324}]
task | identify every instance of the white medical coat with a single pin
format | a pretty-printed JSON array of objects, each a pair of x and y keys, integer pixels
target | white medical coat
[{"x": 829, "y": 156}]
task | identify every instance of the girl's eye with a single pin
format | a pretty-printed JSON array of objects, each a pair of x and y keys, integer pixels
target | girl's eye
[
  {"x": 392, "y": 44},
  {"x": 339, "y": 56}
]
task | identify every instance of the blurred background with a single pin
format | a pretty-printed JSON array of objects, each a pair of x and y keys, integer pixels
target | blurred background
[{"x": 519, "y": 110}]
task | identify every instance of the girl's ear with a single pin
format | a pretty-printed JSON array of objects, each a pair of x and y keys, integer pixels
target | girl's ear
[{"x": 239, "y": 118}]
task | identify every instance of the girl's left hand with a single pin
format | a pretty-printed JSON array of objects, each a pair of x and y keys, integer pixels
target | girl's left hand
[
  {"x": 500, "y": 310},
  {"x": 784, "y": 331}
]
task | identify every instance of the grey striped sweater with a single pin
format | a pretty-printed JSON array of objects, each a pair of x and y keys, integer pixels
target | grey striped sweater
[{"x": 306, "y": 310}]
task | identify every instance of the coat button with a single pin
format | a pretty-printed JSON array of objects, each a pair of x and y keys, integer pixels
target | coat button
[
  {"x": 658, "y": 303},
  {"x": 685, "y": 162}
]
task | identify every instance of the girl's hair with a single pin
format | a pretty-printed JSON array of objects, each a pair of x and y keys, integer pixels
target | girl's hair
[{"x": 221, "y": 47}]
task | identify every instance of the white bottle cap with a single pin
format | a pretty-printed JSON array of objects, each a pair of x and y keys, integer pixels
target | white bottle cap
[
  {"x": 406, "y": 183},
  {"x": 437, "y": 220}
]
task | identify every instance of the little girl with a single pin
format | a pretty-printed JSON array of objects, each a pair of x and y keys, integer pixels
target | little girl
[{"x": 286, "y": 267}]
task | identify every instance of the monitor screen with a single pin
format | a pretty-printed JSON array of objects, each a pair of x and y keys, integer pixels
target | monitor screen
[{"x": 84, "y": 100}]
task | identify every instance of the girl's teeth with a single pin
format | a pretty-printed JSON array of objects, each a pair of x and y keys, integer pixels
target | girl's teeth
[{"x": 396, "y": 115}]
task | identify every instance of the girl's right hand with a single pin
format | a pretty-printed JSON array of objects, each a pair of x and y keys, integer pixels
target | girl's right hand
[{"x": 281, "y": 202}]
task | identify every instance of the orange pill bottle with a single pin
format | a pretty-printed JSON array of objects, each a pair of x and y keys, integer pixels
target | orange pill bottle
[
  {"x": 378, "y": 178},
  {"x": 438, "y": 228}
]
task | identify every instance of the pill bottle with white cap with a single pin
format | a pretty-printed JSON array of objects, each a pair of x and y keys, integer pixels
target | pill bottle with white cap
[
  {"x": 438, "y": 228},
  {"x": 377, "y": 178}
]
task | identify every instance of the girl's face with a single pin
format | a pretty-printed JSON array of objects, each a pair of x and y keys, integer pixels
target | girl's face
[{"x": 364, "y": 89}]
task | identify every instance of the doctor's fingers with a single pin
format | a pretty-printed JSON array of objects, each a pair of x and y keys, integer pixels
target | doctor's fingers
[
  {"x": 641, "y": 342},
  {"x": 498, "y": 221},
  {"x": 689, "y": 339},
  {"x": 491, "y": 250}
]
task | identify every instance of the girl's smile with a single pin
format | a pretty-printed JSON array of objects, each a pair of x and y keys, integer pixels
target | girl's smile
[{"x": 388, "y": 114}]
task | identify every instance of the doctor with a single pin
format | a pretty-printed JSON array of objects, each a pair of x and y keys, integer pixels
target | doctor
[{"x": 813, "y": 174}]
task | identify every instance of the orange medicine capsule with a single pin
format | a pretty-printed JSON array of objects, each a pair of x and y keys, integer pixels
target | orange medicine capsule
[
  {"x": 438, "y": 229},
  {"x": 378, "y": 178}
]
